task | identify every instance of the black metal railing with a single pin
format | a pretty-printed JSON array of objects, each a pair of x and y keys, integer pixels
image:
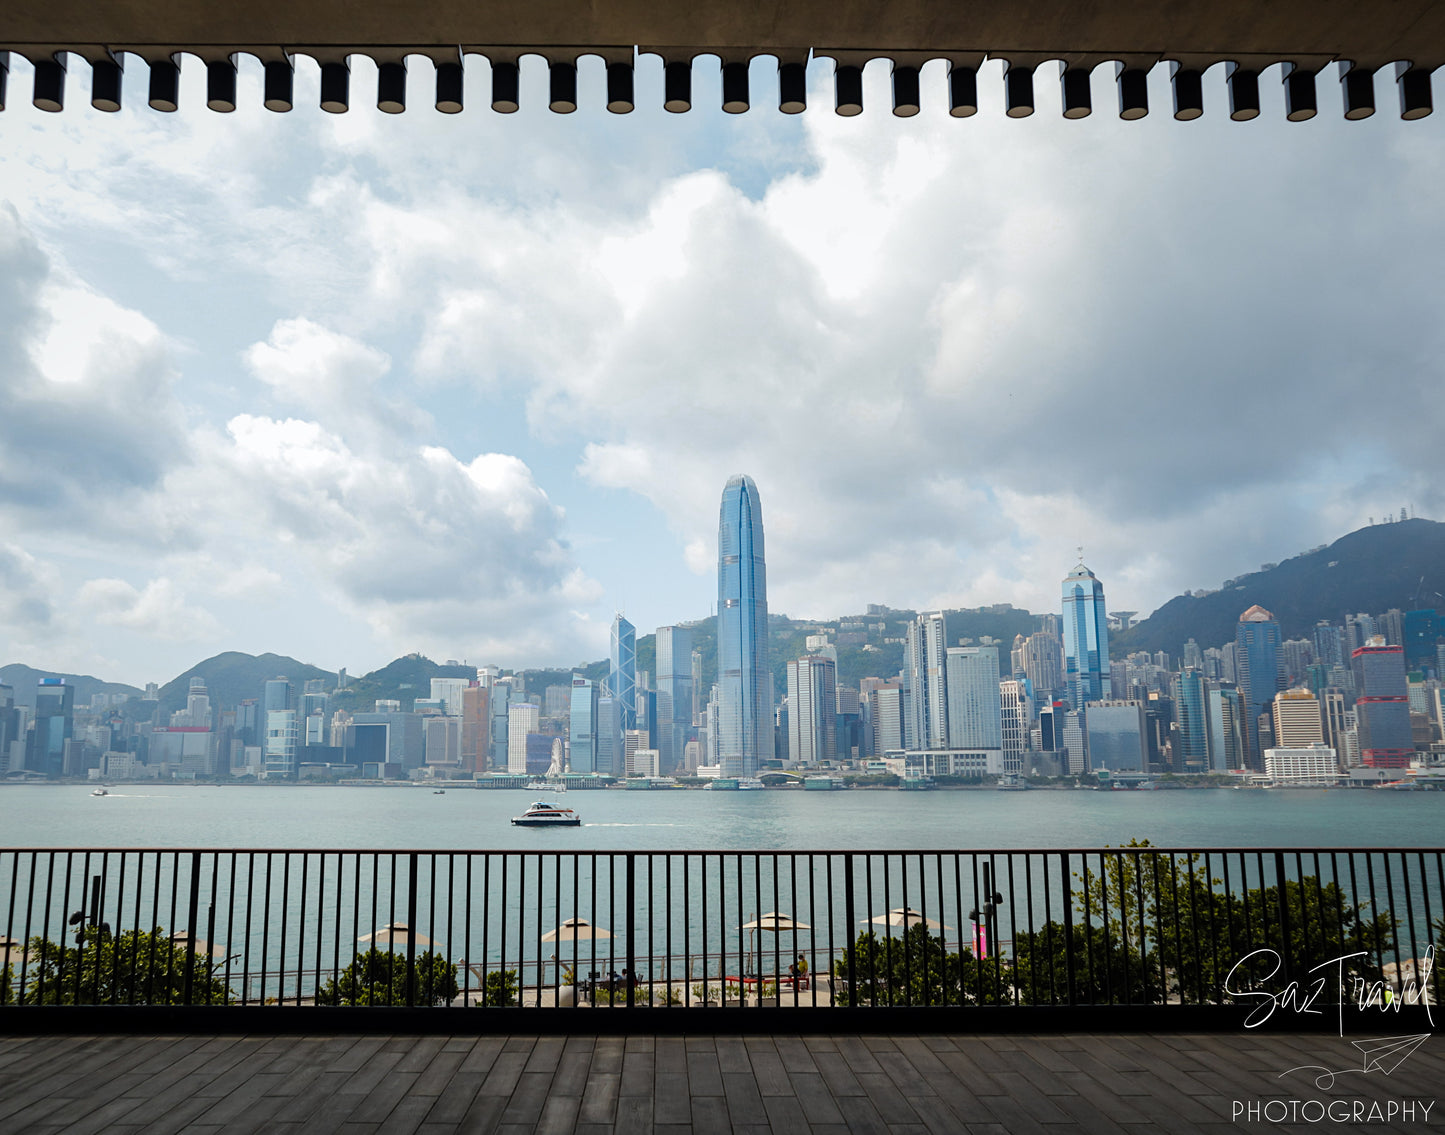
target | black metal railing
[{"x": 1105, "y": 929}]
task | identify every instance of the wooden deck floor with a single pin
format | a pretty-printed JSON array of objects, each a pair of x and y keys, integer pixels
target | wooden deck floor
[{"x": 840, "y": 1085}]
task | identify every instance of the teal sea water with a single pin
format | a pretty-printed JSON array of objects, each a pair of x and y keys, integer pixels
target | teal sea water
[{"x": 170, "y": 816}]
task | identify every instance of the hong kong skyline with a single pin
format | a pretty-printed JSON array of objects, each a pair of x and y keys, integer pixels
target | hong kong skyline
[{"x": 337, "y": 403}]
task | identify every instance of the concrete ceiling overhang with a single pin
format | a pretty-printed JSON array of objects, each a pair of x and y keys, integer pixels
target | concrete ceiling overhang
[{"x": 1188, "y": 35}]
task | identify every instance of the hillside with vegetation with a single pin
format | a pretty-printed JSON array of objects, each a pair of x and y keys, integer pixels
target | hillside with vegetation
[{"x": 1371, "y": 570}]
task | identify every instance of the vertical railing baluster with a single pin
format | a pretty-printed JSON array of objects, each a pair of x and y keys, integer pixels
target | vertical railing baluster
[
  {"x": 29, "y": 918},
  {"x": 246, "y": 961},
  {"x": 631, "y": 907},
  {"x": 486, "y": 923},
  {"x": 192, "y": 913},
  {"x": 467, "y": 934},
  {"x": 1067, "y": 904},
  {"x": 451, "y": 902},
  {"x": 64, "y": 915},
  {"x": 849, "y": 939},
  {"x": 285, "y": 905},
  {"x": 503, "y": 929},
  {"x": 301, "y": 924},
  {"x": 266, "y": 930},
  {"x": 115, "y": 938}
]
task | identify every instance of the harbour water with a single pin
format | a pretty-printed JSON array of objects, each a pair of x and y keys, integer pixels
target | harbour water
[
  {"x": 492, "y": 891},
  {"x": 252, "y": 816}
]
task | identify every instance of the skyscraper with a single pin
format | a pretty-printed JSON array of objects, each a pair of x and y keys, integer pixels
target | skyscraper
[
  {"x": 622, "y": 677},
  {"x": 1043, "y": 665},
  {"x": 1382, "y": 707},
  {"x": 745, "y": 718},
  {"x": 584, "y": 725},
  {"x": 887, "y": 714},
  {"x": 1014, "y": 704},
  {"x": 974, "y": 709},
  {"x": 1259, "y": 673},
  {"x": 54, "y": 722},
  {"x": 1298, "y": 723},
  {"x": 1191, "y": 708},
  {"x": 1086, "y": 638},
  {"x": 522, "y": 721},
  {"x": 812, "y": 710},
  {"x": 925, "y": 684},
  {"x": 674, "y": 694},
  {"x": 1226, "y": 729}
]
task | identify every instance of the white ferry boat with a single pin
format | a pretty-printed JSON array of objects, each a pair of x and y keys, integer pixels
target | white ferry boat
[{"x": 545, "y": 815}]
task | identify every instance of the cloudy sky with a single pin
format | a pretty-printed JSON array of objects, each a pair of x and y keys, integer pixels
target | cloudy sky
[{"x": 344, "y": 387}]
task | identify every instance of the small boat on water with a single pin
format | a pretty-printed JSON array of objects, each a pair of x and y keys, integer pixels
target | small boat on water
[
  {"x": 546, "y": 815},
  {"x": 100, "y": 792},
  {"x": 439, "y": 792}
]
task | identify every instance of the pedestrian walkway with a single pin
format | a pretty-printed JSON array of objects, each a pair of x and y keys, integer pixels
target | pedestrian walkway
[{"x": 705, "y": 1085}]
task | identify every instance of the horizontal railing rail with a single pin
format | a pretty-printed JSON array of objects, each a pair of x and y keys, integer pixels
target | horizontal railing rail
[{"x": 1107, "y": 931}]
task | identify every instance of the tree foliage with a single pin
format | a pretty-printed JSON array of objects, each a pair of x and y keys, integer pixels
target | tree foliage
[
  {"x": 915, "y": 968},
  {"x": 1154, "y": 926},
  {"x": 380, "y": 977},
  {"x": 140, "y": 967}
]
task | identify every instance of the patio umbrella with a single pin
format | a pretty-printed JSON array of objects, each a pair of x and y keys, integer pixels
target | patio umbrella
[
  {"x": 777, "y": 923},
  {"x": 774, "y": 923},
  {"x": 575, "y": 930},
  {"x": 396, "y": 934},
  {"x": 904, "y": 916},
  {"x": 183, "y": 939}
]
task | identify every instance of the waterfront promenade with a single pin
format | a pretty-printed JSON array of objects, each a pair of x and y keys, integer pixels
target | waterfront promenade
[{"x": 706, "y": 1085}]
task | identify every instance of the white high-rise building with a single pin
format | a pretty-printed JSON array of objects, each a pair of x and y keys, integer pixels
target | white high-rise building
[
  {"x": 522, "y": 718},
  {"x": 280, "y": 747},
  {"x": 974, "y": 714},
  {"x": 925, "y": 684},
  {"x": 1014, "y": 715},
  {"x": 887, "y": 707},
  {"x": 1298, "y": 723}
]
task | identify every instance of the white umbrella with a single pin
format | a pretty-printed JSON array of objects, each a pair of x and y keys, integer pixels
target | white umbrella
[
  {"x": 777, "y": 923},
  {"x": 774, "y": 923},
  {"x": 396, "y": 934},
  {"x": 904, "y": 916},
  {"x": 575, "y": 930}
]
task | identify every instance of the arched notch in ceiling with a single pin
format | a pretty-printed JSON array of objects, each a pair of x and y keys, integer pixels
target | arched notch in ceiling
[{"x": 164, "y": 61}]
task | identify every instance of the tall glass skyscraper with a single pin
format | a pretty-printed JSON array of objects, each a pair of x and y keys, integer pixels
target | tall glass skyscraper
[
  {"x": 585, "y": 696},
  {"x": 1086, "y": 638},
  {"x": 674, "y": 694},
  {"x": 622, "y": 680},
  {"x": 745, "y": 679},
  {"x": 1259, "y": 672}
]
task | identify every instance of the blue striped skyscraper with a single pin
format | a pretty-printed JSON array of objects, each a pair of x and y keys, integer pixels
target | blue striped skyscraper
[
  {"x": 622, "y": 676},
  {"x": 745, "y": 679},
  {"x": 1086, "y": 638}
]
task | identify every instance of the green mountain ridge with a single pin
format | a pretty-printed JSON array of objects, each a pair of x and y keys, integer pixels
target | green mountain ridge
[
  {"x": 1371, "y": 570},
  {"x": 232, "y": 676},
  {"x": 23, "y": 679}
]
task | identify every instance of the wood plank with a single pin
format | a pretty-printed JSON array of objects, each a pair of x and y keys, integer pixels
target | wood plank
[
  {"x": 745, "y": 1103},
  {"x": 768, "y": 1070},
  {"x": 704, "y": 1074},
  {"x": 710, "y": 1115},
  {"x": 884, "y": 1095}
]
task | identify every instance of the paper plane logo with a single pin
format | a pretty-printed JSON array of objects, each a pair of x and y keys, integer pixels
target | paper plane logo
[
  {"x": 1378, "y": 1054},
  {"x": 1386, "y": 1053}
]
